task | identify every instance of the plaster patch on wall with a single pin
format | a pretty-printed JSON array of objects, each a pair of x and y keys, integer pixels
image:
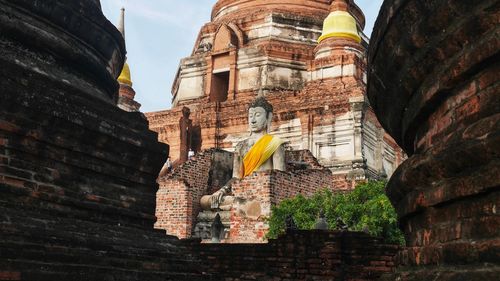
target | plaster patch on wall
[
  {"x": 190, "y": 88},
  {"x": 334, "y": 72}
]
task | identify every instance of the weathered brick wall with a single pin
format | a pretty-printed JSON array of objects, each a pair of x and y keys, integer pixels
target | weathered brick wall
[
  {"x": 288, "y": 106},
  {"x": 340, "y": 182},
  {"x": 178, "y": 198},
  {"x": 248, "y": 219},
  {"x": 262, "y": 190},
  {"x": 77, "y": 174},
  {"x": 434, "y": 86},
  {"x": 294, "y": 157},
  {"x": 300, "y": 255},
  {"x": 316, "y": 8},
  {"x": 307, "y": 182},
  {"x": 169, "y": 130},
  {"x": 196, "y": 171},
  {"x": 174, "y": 208}
]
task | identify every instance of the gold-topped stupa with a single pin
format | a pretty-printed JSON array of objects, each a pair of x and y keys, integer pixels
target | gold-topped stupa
[
  {"x": 125, "y": 77},
  {"x": 126, "y": 93},
  {"x": 340, "y": 23}
]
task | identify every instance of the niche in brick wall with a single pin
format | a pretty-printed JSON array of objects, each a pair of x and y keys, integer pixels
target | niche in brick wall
[
  {"x": 220, "y": 86},
  {"x": 196, "y": 140},
  {"x": 222, "y": 75},
  {"x": 225, "y": 39}
]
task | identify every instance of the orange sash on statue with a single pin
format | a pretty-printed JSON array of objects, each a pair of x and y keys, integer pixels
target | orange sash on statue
[{"x": 260, "y": 152}]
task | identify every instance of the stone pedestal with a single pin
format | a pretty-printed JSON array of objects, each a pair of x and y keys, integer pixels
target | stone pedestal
[
  {"x": 204, "y": 222},
  {"x": 434, "y": 86}
]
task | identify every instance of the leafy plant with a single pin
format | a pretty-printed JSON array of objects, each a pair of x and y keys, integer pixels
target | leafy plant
[{"x": 366, "y": 208}]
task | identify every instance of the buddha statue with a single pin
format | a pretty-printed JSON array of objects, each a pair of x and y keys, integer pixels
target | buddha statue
[{"x": 259, "y": 152}]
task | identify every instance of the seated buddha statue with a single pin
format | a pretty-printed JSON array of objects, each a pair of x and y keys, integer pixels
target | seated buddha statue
[{"x": 259, "y": 152}]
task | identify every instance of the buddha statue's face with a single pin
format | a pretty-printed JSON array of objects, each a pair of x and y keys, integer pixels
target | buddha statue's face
[{"x": 257, "y": 119}]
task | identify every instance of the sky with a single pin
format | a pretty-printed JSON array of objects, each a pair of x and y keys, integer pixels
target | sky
[{"x": 159, "y": 33}]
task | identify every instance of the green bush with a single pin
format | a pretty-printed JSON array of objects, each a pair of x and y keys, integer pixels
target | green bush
[{"x": 366, "y": 208}]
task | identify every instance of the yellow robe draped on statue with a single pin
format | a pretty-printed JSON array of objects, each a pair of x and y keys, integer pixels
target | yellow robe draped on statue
[{"x": 260, "y": 152}]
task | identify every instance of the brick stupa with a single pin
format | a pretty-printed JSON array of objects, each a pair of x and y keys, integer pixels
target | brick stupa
[
  {"x": 126, "y": 94},
  {"x": 308, "y": 58}
]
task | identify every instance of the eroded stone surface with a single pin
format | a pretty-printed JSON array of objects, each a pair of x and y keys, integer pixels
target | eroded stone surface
[
  {"x": 434, "y": 87},
  {"x": 77, "y": 174}
]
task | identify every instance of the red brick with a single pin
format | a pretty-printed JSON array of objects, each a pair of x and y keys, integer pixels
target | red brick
[
  {"x": 10, "y": 275},
  {"x": 442, "y": 107}
]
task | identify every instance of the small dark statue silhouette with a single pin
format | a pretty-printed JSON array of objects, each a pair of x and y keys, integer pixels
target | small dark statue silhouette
[
  {"x": 290, "y": 224},
  {"x": 321, "y": 222},
  {"x": 217, "y": 229},
  {"x": 341, "y": 225}
]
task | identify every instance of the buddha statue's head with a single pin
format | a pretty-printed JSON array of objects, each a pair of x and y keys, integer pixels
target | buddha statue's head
[{"x": 260, "y": 116}]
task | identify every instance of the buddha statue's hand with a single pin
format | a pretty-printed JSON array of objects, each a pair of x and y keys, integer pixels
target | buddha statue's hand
[{"x": 217, "y": 197}]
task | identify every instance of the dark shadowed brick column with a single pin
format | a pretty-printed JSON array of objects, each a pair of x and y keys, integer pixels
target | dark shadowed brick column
[
  {"x": 433, "y": 82},
  {"x": 77, "y": 174}
]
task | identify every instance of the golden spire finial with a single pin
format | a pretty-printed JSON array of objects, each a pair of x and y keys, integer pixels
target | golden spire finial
[
  {"x": 340, "y": 23},
  {"x": 125, "y": 77}
]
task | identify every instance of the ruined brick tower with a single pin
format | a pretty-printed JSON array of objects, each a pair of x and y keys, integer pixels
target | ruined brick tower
[
  {"x": 308, "y": 58},
  {"x": 434, "y": 86}
]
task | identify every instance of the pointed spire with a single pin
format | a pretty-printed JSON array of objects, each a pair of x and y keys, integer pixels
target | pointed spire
[
  {"x": 124, "y": 77},
  {"x": 126, "y": 93},
  {"x": 121, "y": 23}
]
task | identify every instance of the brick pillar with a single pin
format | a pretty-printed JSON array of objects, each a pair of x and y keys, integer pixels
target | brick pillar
[
  {"x": 248, "y": 217},
  {"x": 434, "y": 86},
  {"x": 185, "y": 125},
  {"x": 174, "y": 208}
]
